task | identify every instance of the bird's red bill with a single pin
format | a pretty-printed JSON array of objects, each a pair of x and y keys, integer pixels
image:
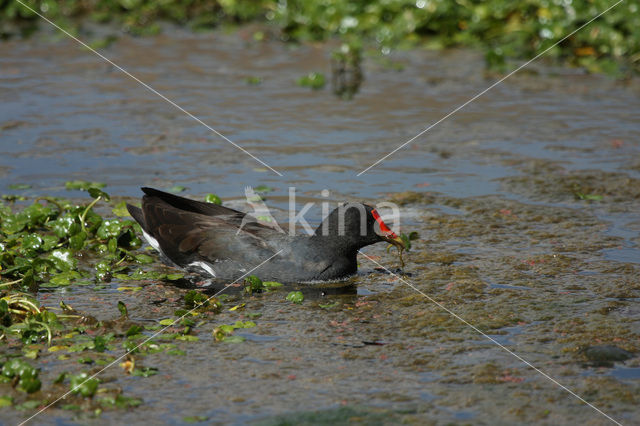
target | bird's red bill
[{"x": 383, "y": 226}]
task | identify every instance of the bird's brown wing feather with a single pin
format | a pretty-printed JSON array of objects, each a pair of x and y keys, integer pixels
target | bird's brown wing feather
[{"x": 185, "y": 236}]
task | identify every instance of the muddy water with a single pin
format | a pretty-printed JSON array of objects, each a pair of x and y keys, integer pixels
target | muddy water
[{"x": 495, "y": 191}]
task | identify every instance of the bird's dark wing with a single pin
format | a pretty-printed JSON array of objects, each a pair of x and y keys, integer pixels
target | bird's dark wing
[
  {"x": 193, "y": 206},
  {"x": 229, "y": 215},
  {"x": 188, "y": 234}
]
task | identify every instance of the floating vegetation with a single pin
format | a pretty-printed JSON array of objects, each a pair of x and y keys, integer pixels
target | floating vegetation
[
  {"x": 295, "y": 297},
  {"x": 224, "y": 333},
  {"x": 505, "y": 32},
  {"x": 313, "y": 80},
  {"x": 213, "y": 198},
  {"x": 22, "y": 374},
  {"x": 253, "y": 284},
  {"x": 52, "y": 243},
  {"x": 253, "y": 81}
]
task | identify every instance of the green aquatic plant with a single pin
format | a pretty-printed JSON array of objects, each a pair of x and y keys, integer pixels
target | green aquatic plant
[
  {"x": 199, "y": 302},
  {"x": 53, "y": 242},
  {"x": 406, "y": 239},
  {"x": 40, "y": 242},
  {"x": 22, "y": 374},
  {"x": 224, "y": 333},
  {"x": 505, "y": 31},
  {"x": 313, "y": 80},
  {"x": 84, "y": 385},
  {"x": 213, "y": 198},
  {"x": 21, "y": 316},
  {"x": 253, "y": 284},
  {"x": 295, "y": 297}
]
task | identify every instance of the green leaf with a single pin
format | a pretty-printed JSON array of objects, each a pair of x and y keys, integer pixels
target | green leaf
[
  {"x": 19, "y": 186},
  {"x": 71, "y": 407},
  {"x": 226, "y": 329},
  {"x": 253, "y": 284},
  {"x": 29, "y": 384},
  {"x": 145, "y": 371},
  {"x": 49, "y": 242},
  {"x": 143, "y": 258},
  {"x": 271, "y": 284},
  {"x": 28, "y": 405},
  {"x": 36, "y": 214},
  {"x": 194, "y": 299},
  {"x": 177, "y": 188},
  {"x": 28, "y": 375},
  {"x": 123, "y": 309},
  {"x": 120, "y": 401},
  {"x": 100, "y": 343},
  {"x": 97, "y": 192},
  {"x": 63, "y": 259},
  {"x": 407, "y": 242},
  {"x": 174, "y": 277},
  {"x": 14, "y": 224},
  {"x": 120, "y": 209},
  {"x": 76, "y": 242},
  {"x": 16, "y": 367},
  {"x": 103, "y": 269},
  {"x": 295, "y": 297},
  {"x": 129, "y": 288},
  {"x": 32, "y": 242},
  {"x": 65, "y": 278},
  {"x": 133, "y": 330},
  {"x": 112, "y": 245},
  {"x": 246, "y": 324},
  {"x": 82, "y": 185},
  {"x": 314, "y": 80},
  {"x": 589, "y": 197},
  {"x": 6, "y": 401},
  {"x": 195, "y": 419},
  {"x": 84, "y": 385},
  {"x": 212, "y": 198},
  {"x": 63, "y": 226},
  {"x": 187, "y": 338},
  {"x": 109, "y": 229}
]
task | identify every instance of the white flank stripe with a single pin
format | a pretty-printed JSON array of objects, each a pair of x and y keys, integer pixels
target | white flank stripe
[
  {"x": 152, "y": 241},
  {"x": 204, "y": 266}
]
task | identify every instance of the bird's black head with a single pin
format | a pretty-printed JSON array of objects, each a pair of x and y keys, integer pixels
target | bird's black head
[{"x": 359, "y": 225}]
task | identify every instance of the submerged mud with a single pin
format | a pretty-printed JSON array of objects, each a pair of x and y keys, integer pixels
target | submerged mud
[{"x": 526, "y": 205}]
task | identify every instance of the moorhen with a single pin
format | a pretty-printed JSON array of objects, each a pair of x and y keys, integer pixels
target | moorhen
[{"x": 219, "y": 243}]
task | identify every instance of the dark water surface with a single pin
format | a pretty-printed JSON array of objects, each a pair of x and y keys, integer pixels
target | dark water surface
[{"x": 494, "y": 191}]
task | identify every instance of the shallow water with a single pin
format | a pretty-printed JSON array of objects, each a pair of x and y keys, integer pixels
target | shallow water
[{"x": 506, "y": 243}]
